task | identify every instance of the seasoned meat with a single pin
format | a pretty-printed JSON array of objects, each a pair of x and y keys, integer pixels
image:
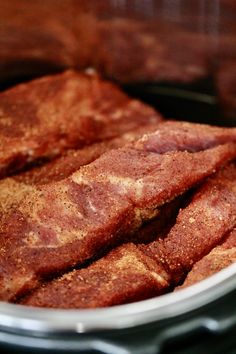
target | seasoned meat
[
  {"x": 105, "y": 36},
  {"x": 219, "y": 258},
  {"x": 43, "y": 118},
  {"x": 131, "y": 273},
  {"x": 181, "y": 136},
  {"x": 64, "y": 223},
  {"x": 168, "y": 136},
  {"x": 72, "y": 160},
  {"x": 200, "y": 226},
  {"x": 125, "y": 275},
  {"x": 14, "y": 189}
]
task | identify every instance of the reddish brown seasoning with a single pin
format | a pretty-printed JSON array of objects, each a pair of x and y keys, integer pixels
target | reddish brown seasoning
[
  {"x": 219, "y": 258},
  {"x": 130, "y": 273},
  {"x": 64, "y": 223},
  {"x": 43, "y": 118}
]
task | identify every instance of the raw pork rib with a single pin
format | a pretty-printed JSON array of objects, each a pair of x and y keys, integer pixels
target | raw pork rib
[
  {"x": 44, "y": 117},
  {"x": 168, "y": 136},
  {"x": 72, "y": 160},
  {"x": 130, "y": 273},
  {"x": 62, "y": 224},
  {"x": 219, "y": 258},
  {"x": 200, "y": 226},
  {"x": 14, "y": 189}
]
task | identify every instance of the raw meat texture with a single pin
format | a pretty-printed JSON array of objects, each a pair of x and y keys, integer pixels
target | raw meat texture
[
  {"x": 168, "y": 136},
  {"x": 72, "y": 160},
  {"x": 65, "y": 223},
  {"x": 43, "y": 118},
  {"x": 131, "y": 273},
  {"x": 160, "y": 225},
  {"x": 13, "y": 190},
  {"x": 219, "y": 258},
  {"x": 181, "y": 136},
  {"x": 200, "y": 226},
  {"x": 124, "y": 275}
]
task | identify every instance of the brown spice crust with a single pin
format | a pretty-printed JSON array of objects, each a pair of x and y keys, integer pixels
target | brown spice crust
[
  {"x": 132, "y": 273},
  {"x": 43, "y": 118},
  {"x": 200, "y": 226},
  {"x": 219, "y": 258},
  {"x": 123, "y": 276},
  {"x": 64, "y": 223}
]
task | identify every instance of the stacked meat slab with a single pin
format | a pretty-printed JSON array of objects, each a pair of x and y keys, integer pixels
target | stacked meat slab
[{"x": 102, "y": 202}]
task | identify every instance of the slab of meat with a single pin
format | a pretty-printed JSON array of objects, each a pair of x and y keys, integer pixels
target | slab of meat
[
  {"x": 130, "y": 273},
  {"x": 219, "y": 258},
  {"x": 181, "y": 136},
  {"x": 14, "y": 189},
  {"x": 168, "y": 136},
  {"x": 71, "y": 160},
  {"x": 200, "y": 226},
  {"x": 125, "y": 275},
  {"x": 64, "y": 223},
  {"x": 43, "y": 118}
]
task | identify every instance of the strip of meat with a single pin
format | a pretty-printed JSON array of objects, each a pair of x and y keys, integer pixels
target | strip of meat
[
  {"x": 58, "y": 35},
  {"x": 219, "y": 258},
  {"x": 14, "y": 189},
  {"x": 72, "y": 160},
  {"x": 64, "y": 223},
  {"x": 44, "y": 117},
  {"x": 181, "y": 136},
  {"x": 131, "y": 273},
  {"x": 200, "y": 226},
  {"x": 125, "y": 275},
  {"x": 168, "y": 136}
]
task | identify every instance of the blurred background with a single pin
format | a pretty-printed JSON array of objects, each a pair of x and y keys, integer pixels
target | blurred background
[{"x": 179, "y": 55}]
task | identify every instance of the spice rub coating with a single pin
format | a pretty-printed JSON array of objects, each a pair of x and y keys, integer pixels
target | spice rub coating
[
  {"x": 65, "y": 223},
  {"x": 124, "y": 275},
  {"x": 71, "y": 160},
  {"x": 200, "y": 226},
  {"x": 14, "y": 189},
  {"x": 167, "y": 136},
  {"x": 46, "y": 116},
  {"x": 219, "y": 258},
  {"x": 131, "y": 273}
]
